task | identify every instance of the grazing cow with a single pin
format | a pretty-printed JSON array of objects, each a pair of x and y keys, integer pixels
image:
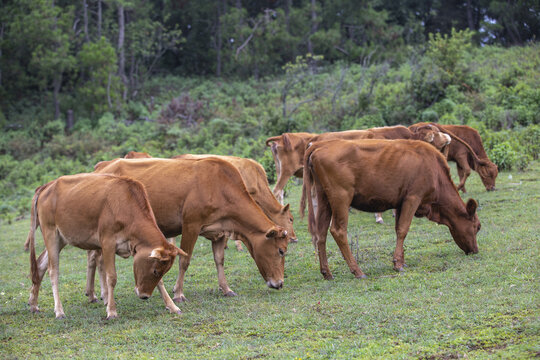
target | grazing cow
[
  {"x": 288, "y": 152},
  {"x": 105, "y": 212},
  {"x": 291, "y": 157},
  {"x": 464, "y": 158},
  {"x": 207, "y": 197},
  {"x": 376, "y": 175},
  {"x": 256, "y": 182}
]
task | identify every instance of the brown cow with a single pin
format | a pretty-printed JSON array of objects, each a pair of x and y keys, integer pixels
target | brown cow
[
  {"x": 376, "y": 175},
  {"x": 291, "y": 157},
  {"x": 288, "y": 152},
  {"x": 207, "y": 197},
  {"x": 257, "y": 185},
  {"x": 106, "y": 212},
  {"x": 461, "y": 154}
]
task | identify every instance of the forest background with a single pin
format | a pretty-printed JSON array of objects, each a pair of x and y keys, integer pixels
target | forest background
[{"x": 91, "y": 80}]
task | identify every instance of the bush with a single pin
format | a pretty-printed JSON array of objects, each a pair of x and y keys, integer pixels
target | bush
[{"x": 507, "y": 158}]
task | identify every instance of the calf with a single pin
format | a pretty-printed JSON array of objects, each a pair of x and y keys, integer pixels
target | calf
[
  {"x": 91, "y": 212},
  {"x": 376, "y": 175}
]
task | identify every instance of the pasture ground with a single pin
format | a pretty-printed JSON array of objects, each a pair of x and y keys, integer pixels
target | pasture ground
[{"x": 446, "y": 305}]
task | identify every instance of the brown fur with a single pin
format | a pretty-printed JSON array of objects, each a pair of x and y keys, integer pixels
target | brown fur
[
  {"x": 376, "y": 175},
  {"x": 207, "y": 197},
  {"x": 94, "y": 211},
  {"x": 468, "y": 153}
]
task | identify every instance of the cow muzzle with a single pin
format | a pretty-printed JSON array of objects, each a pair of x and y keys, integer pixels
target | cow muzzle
[
  {"x": 275, "y": 284},
  {"x": 142, "y": 296}
]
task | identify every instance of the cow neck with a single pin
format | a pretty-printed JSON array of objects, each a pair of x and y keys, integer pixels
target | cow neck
[
  {"x": 450, "y": 204},
  {"x": 147, "y": 237},
  {"x": 252, "y": 221}
]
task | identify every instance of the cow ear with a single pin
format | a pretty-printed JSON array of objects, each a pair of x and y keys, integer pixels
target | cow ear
[
  {"x": 160, "y": 253},
  {"x": 179, "y": 251},
  {"x": 285, "y": 209},
  {"x": 471, "y": 207},
  {"x": 271, "y": 233},
  {"x": 429, "y": 137}
]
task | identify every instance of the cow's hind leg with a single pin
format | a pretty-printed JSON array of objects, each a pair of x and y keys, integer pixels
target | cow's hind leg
[
  {"x": 323, "y": 216},
  {"x": 43, "y": 263},
  {"x": 218, "y": 247},
  {"x": 53, "y": 249},
  {"x": 404, "y": 216},
  {"x": 338, "y": 229}
]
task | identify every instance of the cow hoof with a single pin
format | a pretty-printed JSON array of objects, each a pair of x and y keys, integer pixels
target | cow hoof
[
  {"x": 60, "y": 316},
  {"x": 379, "y": 221},
  {"x": 328, "y": 277},
  {"x": 400, "y": 269},
  {"x": 230, "y": 294},
  {"x": 94, "y": 300},
  {"x": 361, "y": 276},
  {"x": 180, "y": 299},
  {"x": 112, "y": 316},
  {"x": 34, "y": 309}
]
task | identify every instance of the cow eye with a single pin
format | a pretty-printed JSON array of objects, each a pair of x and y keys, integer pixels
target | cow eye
[
  {"x": 156, "y": 273},
  {"x": 281, "y": 252}
]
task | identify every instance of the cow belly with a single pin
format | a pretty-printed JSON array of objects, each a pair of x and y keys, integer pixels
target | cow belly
[
  {"x": 80, "y": 240},
  {"x": 371, "y": 204}
]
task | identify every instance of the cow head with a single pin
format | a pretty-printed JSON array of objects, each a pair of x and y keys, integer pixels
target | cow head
[
  {"x": 464, "y": 228},
  {"x": 149, "y": 266},
  {"x": 488, "y": 173},
  {"x": 432, "y": 135},
  {"x": 269, "y": 251}
]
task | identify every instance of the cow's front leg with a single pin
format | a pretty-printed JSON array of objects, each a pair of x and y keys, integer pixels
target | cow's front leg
[
  {"x": 90, "y": 275},
  {"x": 218, "y": 248},
  {"x": 169, "y": 303},
  {"x": 108, "y": 253},
  {"x": 189, "y": 237},
  {"x": 404, "y": 216}
]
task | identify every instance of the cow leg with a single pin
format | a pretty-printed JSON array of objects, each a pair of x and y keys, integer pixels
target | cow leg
[
  {"x": 280, "y": 185},
  {"x": 218, "y": 248},
  {"x": 238, "y": 244},
  {"x": 404, "y": 216},
  {"x": 102, "y": 277},
  {"x": 464, "y": 170},
  {"x": 53, "y": 249},
  {"x": 90, "y": 275},
  {"x": 322, "y": 223},
  {"x": 189, "y": 237},
  {"x": 378, "y": 218},
  {"x": 169, "y": 303},
  {"x": 108, "y": 254},
  {"x": 43, "y": 263},
  {"x": 339, "y": 232}
]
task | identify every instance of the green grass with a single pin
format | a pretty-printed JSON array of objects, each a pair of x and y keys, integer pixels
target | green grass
[{"x": 446, "y": 305}]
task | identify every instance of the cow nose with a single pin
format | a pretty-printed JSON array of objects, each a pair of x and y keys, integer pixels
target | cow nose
[
  {"x": 144, "y": 297},
  {"x": 275, "y": 284}
]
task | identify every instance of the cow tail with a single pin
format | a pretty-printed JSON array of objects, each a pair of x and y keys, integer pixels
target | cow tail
[
  {"x": 286, "y": 142},
  {"x": 34, "y": 223},
  {"x": 272, "y": 139},
  {"x": 307, "y": 189},
  {"x": 457, "y": 138}
]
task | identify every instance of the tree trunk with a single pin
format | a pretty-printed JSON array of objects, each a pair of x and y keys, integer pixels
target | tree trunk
[
  {"x": 99, "y": 19},
  {"x": 85, "y": 20},
  {"x": 1, "y": 39},
  {"x": 470, "y": 15},
  {"x": 313, "y": 26},
  {"x": 57, "y": 83},
  {"x": 220, "y": 10},
  {"x": 69, "y": 120},
  {"x": 288, "y": 5},
  {"x": 121, "y": 53}
]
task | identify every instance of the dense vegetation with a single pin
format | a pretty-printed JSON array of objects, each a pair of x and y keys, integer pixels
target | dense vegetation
[{"x": 86, "y": 81}]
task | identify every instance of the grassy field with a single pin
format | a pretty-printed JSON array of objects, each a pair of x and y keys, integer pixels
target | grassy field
[{"x": 446, "y": 305}]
